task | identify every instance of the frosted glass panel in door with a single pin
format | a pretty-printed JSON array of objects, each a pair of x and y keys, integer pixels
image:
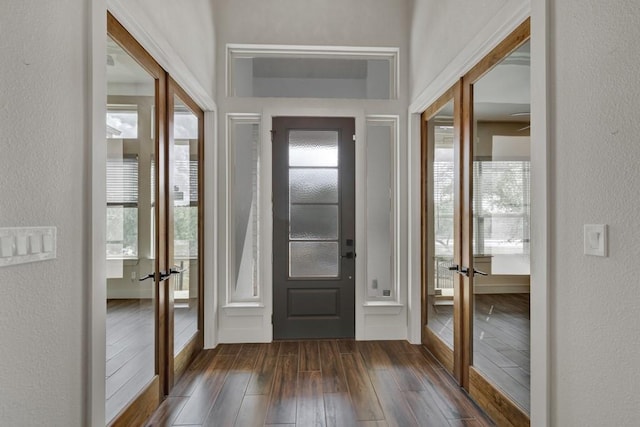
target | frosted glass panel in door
[
  {"x": 313, "y": 185},
  {"x": 313, "y": 148},
  {"x": 313, "y": 259},
  {"x": 313, "y": 222},
  {"x": 314, "y": 208}
]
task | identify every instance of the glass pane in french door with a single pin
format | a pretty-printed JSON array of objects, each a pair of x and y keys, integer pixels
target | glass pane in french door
[
  {"x": 501, "y": 213},
  {"x": 130, "y": 334},
  {"x": 186, "y": 203},
  {"x": 441, "y": 244}
]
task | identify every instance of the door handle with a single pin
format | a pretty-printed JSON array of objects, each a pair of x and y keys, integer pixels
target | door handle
[
  {"x": 349, "y": 255},
  {"x": 163, "y": 276},
  {"x": 482, "y": 273},
  {"x": 464, "y": 271},
  {"x": 148, "y": 276}
]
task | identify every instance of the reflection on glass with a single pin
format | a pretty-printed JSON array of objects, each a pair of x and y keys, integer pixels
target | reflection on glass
[
  {"x": 291, "y": 76},
  {"x": 122, "y": 121},
  {"x": 184, "y": 180},
  {"x": 440, "y": 280},
  {"x": 130, "y": 346},
  {"x": 501, "y": 175},
  {"x": 313, "y": 259}
]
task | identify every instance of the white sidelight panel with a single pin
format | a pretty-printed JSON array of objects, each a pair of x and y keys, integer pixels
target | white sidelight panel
[{"x": 243, "y": 168}]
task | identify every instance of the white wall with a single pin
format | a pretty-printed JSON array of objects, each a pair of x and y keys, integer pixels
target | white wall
[
  {"x": 594, "y": 175},
  {"x": 382, "y": 23},
  {"x": 44, "y": 180},
  {"x": 188, "y": 28},
  {"x": 181, "y": 37}
]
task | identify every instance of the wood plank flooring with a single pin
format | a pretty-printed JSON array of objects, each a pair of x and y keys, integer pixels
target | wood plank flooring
[
  {"x": 501, "y": 341},
  {"x": 130, "y": 347},
  {"x": 317, "y": 383}
]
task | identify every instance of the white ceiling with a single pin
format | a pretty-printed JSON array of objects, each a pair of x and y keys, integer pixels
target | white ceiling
[{"x": 122, "y": 68}]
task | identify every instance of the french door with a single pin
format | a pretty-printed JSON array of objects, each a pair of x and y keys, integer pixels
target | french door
[
  {"x": 475, "y": 230},
  {"x": 154, "y": 230}
]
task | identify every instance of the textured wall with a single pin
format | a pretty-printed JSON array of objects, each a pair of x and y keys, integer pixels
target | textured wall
[
  {"x": 595, "y": 156},
  {"x": 43, "y": 145},
  {"x": 594, "y": 99},
  {"x": 187, "y": 27},
  {"x": 318, "y": 22},
  {"x": 439, "y": 31}
]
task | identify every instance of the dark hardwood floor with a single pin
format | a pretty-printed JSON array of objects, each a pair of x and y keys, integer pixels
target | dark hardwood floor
[
  {"x": 317, "y": 383},
  {"x": 130, "y": 350},
  {"x": 500, "y": 340}
]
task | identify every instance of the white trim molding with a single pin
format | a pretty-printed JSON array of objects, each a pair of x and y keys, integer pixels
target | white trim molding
[
  {"x": 502, "y": 24},
  {"x": 134, "y": 20}
]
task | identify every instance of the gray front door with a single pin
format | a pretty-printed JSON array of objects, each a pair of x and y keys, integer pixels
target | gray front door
[{"x": 313, "y": 227}]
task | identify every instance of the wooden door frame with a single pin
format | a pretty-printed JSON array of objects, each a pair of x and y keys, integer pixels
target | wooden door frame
[
  {"x": 497, "y": 404},
  {"x": 149, "y": 398},
  {"x": 449, "y": 358},
  {"x": 460, "y": 362},
  {"x": 176, "y": 366}
]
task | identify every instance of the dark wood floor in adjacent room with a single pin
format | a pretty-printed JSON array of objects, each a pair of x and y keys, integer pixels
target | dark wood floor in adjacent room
[{"x": 317, "y": 383}]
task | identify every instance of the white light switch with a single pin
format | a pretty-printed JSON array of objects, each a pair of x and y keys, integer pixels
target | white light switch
[
  {"x": 6, "y": 246},
  {"x": 21, "y": 245},
  {"x": 595, "y": 239},
  {"x": 36, "y": 243},
  {"x": 47, "y": 243}
]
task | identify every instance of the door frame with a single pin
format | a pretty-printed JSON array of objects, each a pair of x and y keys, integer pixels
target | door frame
[
  {"x": 176, "y": 366},
  {"x": 266, "y": 211},
  {"x": 451, "y": 359}
]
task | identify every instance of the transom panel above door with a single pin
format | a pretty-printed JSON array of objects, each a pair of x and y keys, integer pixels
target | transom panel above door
[{"x": 313, "y": 227}]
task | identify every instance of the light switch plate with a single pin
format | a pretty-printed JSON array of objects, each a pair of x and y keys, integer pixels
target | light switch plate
[
  {"x": 595, "y": 239},
  {"x": 6, "y": 246},
  {"x": 32, "y": 244}
]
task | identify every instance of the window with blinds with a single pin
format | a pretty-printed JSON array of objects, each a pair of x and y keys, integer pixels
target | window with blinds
[
  {"x": 122, "y": 207},
  {"x": 501, "y": 206}
]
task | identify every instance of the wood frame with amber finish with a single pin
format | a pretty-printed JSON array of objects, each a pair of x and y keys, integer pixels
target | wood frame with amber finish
[
  {"x": 495, "y": 402},
  {"x": 459, "y": 361},
  {"x": 167, "y": 368},
  {"x": 149, "y": 398},
  {"x": 176, "y": 366},
  {"x": 450, "y": 358}
]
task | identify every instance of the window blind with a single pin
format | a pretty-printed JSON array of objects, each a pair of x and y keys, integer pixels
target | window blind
[{"x": 122, "y": 181}]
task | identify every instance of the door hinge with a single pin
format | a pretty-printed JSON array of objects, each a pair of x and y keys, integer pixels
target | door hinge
[
  {"x": 354, "y": 137},
  {"x": 272, "y": 133},
  {"x": 272, "y": 319}
]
